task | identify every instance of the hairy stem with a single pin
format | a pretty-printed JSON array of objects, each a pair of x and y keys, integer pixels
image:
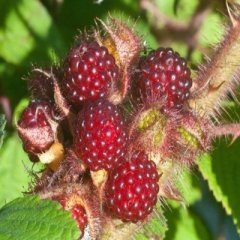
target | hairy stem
[
  {"x": 232, "y": 129},
  {"x": 220, "y": 76}
]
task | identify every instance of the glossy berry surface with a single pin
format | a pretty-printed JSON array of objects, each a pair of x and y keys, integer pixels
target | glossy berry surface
[
  {"x": 90, "y": 71},
  {"x": 36, "y": 133},
  {"x": 163, "y": 74},
  {"x": 100, "y": 137},
  {"x": 132, "y": 188}
]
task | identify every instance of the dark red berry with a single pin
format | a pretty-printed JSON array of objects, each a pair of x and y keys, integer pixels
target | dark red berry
[
  {"x": 164, "y": 74},
  {"x": 90, "y": 70},
  {"x": 132, "y": 188},
  {"x": 78, "y": 212},
  {"x": 34, "y": 128},
  {"x": 100, "y": 137}
]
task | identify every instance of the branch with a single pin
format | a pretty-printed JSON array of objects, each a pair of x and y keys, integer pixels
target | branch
[{"x": 188, "y": 32}]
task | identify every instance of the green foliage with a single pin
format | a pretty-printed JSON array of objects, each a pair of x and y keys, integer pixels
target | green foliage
[
  {"x": 221, "y": 170},
  {"x": 31, "y": 218},
  {"x": 15, "y": 170},
  {"x": 29, "y": 23},
  {"x": 186, "y": 182},
  {"x": 185, "y": 225}
]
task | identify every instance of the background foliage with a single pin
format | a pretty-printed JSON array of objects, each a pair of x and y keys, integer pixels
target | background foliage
[{"x": 34, "y": 32}]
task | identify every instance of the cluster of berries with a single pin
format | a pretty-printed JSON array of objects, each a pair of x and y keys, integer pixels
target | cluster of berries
[{"x": 80, "y": 114}]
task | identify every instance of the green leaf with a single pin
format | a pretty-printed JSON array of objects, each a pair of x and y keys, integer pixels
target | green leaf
[
  {"x": 25, "y": 25},
  {"x": 31, "y": 218},
  {"x": 14, "y": 178},
  {"x": 221, "y": 170},
  {"x": 189, "y": 186},
  {"x": 212, "y": 24},
  {"x": 2, "y": 127},
  {"x": 184, "y": 224}
]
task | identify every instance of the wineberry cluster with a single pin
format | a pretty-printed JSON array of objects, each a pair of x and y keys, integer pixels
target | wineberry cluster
[{"x": 105, "y": 120}]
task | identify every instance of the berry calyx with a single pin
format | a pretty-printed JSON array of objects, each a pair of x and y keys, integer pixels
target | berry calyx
[
  {"x": 132, "y": 188},
  {"x": 100, "y": 138},
  {"x": 41, "y": 84},
  {"x": 34, "y": 128},
  {"x": 163, "y": 74},
  {"x": 90, "y": 71}
]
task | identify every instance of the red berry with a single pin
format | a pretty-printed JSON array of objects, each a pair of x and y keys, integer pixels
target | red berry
[
  {"x": 132, "y": 188},
  {"x": 100, "y": 137},
  {"x": 164, "y": 74},
  {"x": 78, "y": 212},
  {"x": 90, "y": 70},
  {"x": 34, "y": 128}
]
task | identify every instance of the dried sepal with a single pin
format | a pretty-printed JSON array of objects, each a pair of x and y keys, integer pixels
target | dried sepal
[
  {"x": 99, "y": 179},
  {"x": 61, "y": 104},
  {"x": 40, "y": 84},
  {"x": 53, "y": 156},
  {"x": 186, "y": 138},
  {"x": 180, "y": 136},
  {"x": 38, "y": 128},
  {"x": 36, "y": 138},
  {"x": 122, "y": 42}
]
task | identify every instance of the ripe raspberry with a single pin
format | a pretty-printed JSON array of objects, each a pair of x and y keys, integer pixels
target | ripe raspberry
[
  {"x": 132, "y": 188},
  {"x": 100, "y": 137},
  {"x": 34, "y": 128},
  {"x": 163, "y": 73},
  {"x": 90, "y": 70}
]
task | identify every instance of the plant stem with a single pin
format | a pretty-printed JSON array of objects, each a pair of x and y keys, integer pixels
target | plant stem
[{"x": 220, "y": 76}]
